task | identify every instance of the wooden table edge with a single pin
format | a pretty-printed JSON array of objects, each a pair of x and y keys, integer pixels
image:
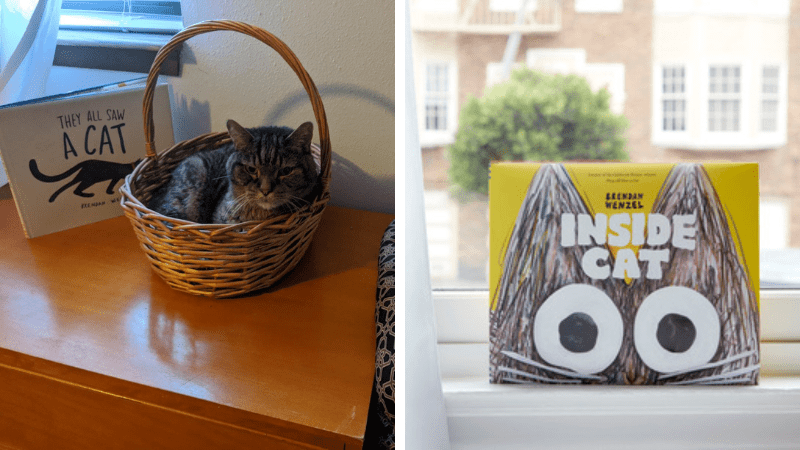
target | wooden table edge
[{"x": 43, "y": 371}]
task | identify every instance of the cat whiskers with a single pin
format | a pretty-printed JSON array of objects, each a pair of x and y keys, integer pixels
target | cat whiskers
[
  {"x": 538, "y": 365},
  {"x": 295, "y": 203},
  {"x": 723, "y": 378},
  {"x": 237, "y": 205},
  {"x": 523, "y": 374},
  {"x": 721, "y": 362}
]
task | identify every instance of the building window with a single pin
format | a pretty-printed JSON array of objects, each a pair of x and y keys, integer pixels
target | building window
[
  {"x": 724, "y": 98},
  {"x": 769, "y": 98},
  {"x": 673, "y": 103},
  {"x": 437, "y": 91}
]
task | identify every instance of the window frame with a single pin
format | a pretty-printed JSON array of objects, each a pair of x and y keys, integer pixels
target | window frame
[
  {"x": 462, "y": 318},
  {"x": 672, "y": 138},
  {"x": 727, "y": 140},
  {"x": 780, "y": 98},
  {"x": 480, "y": 413},
  {"x": 506, "y": 415}
]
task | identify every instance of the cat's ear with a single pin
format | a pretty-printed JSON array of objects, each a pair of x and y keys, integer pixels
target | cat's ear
[
  {"x": 301, "y": 137},
  {"x": 242, "y": 139}
]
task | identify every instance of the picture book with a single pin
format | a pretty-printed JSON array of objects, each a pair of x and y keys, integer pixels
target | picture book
[
  {"x": 65, "y": 156},
  {"x": 624, "y": 273}
]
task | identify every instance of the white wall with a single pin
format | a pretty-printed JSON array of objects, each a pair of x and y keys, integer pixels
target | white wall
[{"x": 347, "y": 46}]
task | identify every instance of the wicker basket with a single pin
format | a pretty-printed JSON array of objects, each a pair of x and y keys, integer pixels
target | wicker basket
[{"x": 215, "y": 259}]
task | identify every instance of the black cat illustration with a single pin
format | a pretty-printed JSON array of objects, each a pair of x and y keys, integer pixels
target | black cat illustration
[{"x": 89, "y": 173}]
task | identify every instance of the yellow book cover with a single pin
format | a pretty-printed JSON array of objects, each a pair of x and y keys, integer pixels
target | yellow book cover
[{"x": 624, "y": 273}]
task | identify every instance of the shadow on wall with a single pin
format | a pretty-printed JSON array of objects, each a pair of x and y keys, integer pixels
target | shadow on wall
[
  {"x": 190, "y": 119},
  {"x": 351, "y": 186},
  {"x": 333, "y": 90}
]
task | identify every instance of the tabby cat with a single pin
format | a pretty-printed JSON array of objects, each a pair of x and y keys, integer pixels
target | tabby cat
[{"x": 262, "y": 172}]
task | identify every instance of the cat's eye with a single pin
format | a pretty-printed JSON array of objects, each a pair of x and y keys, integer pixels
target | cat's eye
[
  {"x": 578, "y": 327},
  {"x": 285, "y": 171},
  {"x": 676, "y": 328},
  {"x": 251, "y": 170}
]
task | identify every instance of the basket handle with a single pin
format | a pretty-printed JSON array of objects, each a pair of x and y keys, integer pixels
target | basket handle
[{"x": 263, "y": 36}]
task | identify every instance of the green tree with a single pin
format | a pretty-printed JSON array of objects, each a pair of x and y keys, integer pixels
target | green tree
[{"x": 534, "y": 117}]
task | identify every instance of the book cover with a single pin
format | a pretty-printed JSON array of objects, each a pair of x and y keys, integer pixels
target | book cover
[
  {"x": 624, "y": 273},
  {"x": 65, "y": 156}
]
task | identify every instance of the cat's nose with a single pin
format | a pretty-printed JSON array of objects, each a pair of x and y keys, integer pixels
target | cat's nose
[{"x": 636, "y": 373}]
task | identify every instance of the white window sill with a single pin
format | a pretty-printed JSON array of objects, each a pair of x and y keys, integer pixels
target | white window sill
[
  {"x": 482, "y": 415},
  {"x": 428, "y": 139},
  {"x": 498, "y": 416},
  {"x": 106, "y": 50}
]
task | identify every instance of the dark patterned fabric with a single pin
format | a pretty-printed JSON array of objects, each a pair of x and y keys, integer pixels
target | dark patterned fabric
[{"x": 380, "y": 422}]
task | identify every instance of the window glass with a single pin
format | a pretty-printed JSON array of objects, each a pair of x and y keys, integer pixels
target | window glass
[
  {"x": 770, "y": 98},
  {"x": 723, "y": 98},
  {"x": 701, "y": 81},
  {"x": 150, "y": 16},
  {"x": 436, "y": 96},
  {"x": 673, "y": 98}
]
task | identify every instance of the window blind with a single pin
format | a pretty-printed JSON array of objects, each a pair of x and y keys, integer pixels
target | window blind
[{"x": 144, "y": 16}]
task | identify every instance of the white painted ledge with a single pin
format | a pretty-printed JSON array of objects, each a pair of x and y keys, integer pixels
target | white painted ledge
[{"x": 486, "y": 416}]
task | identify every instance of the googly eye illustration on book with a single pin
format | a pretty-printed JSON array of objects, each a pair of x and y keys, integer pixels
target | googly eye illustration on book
[{"x": 656, "y": 297}]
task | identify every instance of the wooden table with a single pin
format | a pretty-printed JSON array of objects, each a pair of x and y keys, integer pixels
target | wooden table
[{"x": 96, "y": 351}]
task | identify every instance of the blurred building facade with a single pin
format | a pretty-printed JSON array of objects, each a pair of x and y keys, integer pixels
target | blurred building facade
[{"x": 698, "y": 80}]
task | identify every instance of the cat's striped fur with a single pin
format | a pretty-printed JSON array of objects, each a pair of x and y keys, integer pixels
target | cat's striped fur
[{"x": 263, "y": 171}]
